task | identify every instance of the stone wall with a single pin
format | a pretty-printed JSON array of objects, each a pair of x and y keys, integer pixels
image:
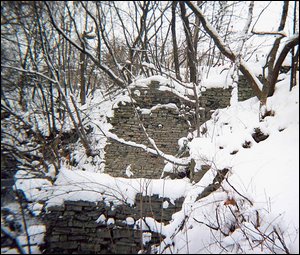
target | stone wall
[
  {"x": 165, "y": 124},
  {"x": 244, "y": 89},
  {"x": 72, "y": 227},
  {"x": 214, "y": 98}
]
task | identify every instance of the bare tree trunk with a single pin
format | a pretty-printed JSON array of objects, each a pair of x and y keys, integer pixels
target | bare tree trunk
[
  {"x": 174, "y": 41},
  {"x": 192, "y": 62},
  {"x": 197, "y": 30},
  {"x": 82, "y": 78},
  {"x": 191, "y": 54},
  {"x": 294, "y": 67},
  {"x": 294, "y": 41},
  {"x": 53, "y": 130},
  {"x": 268, "y": 89}
]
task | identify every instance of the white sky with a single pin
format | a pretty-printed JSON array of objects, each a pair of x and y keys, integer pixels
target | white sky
[{"x": 269, "y": 20}]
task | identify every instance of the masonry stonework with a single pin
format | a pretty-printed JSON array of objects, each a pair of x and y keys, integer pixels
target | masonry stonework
[
  {"x": 244, "y": 90},
  {"x": 72, "y": 228}
]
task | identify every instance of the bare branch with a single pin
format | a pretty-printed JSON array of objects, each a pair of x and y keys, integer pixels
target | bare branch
[
  {"x": 103, "y": 67},
  {"x": 14, "y": 238}
]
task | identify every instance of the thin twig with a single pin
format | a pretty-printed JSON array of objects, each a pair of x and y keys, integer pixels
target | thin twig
[{"x": 251, "y": 203}]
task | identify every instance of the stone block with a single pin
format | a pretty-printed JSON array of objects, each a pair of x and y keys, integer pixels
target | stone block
[
  {"x": 77, "y": 237},
  {"x": 78, "y": 224},
  {"x": 53, "y": 238},
  {"x": 74, "y": 208},
  {"x": 82, "y": 217},
  {"x": 63, "y": 238},
  {"x": 103, "y": 233},
  {"x": 56, "y": 208},
  {"x": 65, "y": 245},
  {"x": 91, "y": 247}
]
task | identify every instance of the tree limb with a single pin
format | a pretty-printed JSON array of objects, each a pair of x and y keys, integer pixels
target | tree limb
[
  {"x": 225, "y": 50},
  {"x": 291, "y": 43},
  {"x": 15, "y": 240}
]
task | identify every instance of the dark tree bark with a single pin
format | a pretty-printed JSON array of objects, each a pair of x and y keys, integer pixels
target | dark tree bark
[
  {"x": 174, "y": 41},
  {"x": 269, "y": 86},
  {"x": 191, "y": 54}
]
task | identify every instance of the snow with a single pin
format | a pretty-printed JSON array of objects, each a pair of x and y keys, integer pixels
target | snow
[
  {"x": 35, "y": 208},
  {"x": 9, "y": 251},
  {"x": 123, "y": 99},
  {"x": 35, "y": 189},
  {"x": 137, "y": 92},
  {"x": 266, "y": 174},
  {"x": 149, "y": 224},
  {"x": 165, "y": 84},
  {"x": 159, "y": 106},
  {"x": 165, "y": 204},
  {"x": 183, "y": 141},
  {"x": 101, "y": 219},
  {"x": 110, "y": 221},
  {"x": 128, "y": 171},
  {"x": 168, "y": 168},
  {"x": 36, "y": 234},
  {"x": 217, "y": 77},
  {"x": 146, "y": 237},
  {"x": 130, "y": 221},
  {"x": 263, "y": 178},
  {"x": 76, "y": 185}
]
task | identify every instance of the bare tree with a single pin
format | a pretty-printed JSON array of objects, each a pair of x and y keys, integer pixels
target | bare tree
[{"x": 274, "y": 65}]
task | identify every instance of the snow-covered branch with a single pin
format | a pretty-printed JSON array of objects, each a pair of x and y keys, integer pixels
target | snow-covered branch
[
  {"x": 246, "y": 28},
  {"x": 152, "y": 67},
  {"x": 280, "y": 33},
  {"x": 255, "y": 83}
]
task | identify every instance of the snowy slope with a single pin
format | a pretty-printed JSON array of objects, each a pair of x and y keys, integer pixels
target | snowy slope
[{"x": 260, "y": 201}]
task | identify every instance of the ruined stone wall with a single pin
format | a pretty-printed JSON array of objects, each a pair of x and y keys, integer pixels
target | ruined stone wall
[
  {"x": 72, "y": 227},
  {"x": 164, "y": 124}
]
